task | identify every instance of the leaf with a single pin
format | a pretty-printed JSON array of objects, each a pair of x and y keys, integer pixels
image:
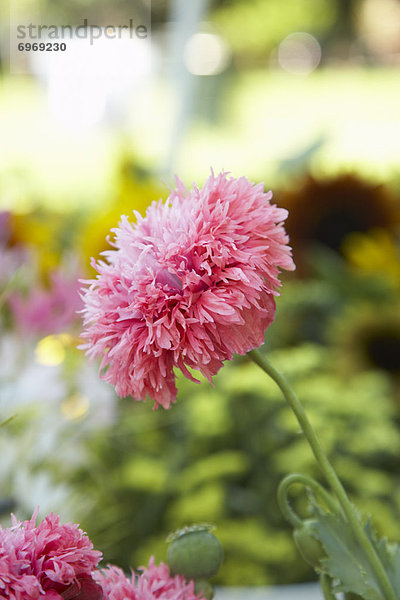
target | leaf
[
  {"x": 394, "y": 568},
  {"x": 346, "y": 560},
  {"x": 388, "y": 552},
  {"x": 353, "y": 569}
]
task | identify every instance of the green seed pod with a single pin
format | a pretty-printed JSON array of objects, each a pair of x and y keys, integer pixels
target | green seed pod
[
  {"x": 309, "y": 546},
  {"x": 194, "y": 552},
  {"x": 204, "y": 588}
]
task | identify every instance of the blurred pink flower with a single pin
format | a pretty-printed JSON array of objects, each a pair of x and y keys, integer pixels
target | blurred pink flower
[
  {"x": 49, "y": 561},
  {"x": 154, "y": 582},
  {"x": 46, "y": 311},
  {"x": 189, "y": 285}
]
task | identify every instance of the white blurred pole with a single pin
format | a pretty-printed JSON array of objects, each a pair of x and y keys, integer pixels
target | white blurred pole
[{"x": 185, "y": 16}]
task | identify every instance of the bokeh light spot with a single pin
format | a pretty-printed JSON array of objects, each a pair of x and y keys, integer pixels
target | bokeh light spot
[
  {"x": 299, "y": 53},
  {"x": 50, "y": 351},
  {"x": 378, "y": 22},
  {"x": 206, "y": 54},
  {"x": 75, "y": 407}
]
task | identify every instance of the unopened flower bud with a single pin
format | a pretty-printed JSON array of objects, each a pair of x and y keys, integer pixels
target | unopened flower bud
[
  {"x": 194, "y": 552},
  {"x": 309, "y": 546},
  {"x": 204, "y": 588}
]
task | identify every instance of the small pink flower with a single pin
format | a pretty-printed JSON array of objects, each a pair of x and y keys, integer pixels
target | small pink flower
[
  {"x": 49, "y": 561},
  {"x": 189, "y": 285},
  {"x": 155, "y": 582},
  {"x": 46, "y": 311}
]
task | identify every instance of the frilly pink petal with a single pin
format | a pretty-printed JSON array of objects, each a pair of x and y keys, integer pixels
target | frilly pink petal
[
  {"x": 45, "y": 560},
  {"x": 153, "y": 583},
  {"x": 187, "y": 286}
]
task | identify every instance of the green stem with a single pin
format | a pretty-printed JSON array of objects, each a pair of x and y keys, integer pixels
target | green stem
[
  {"x": 326, "y": 586},
  {"x": 308, "y": 482},
  {"x": 9, "y": 287},
  {"x": 285, "y": 506},
  {"x": 7, "y": 421},
  {"x": 328, "y": 472}
]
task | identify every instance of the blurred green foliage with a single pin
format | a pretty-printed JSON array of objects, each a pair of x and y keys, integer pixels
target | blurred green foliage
[
  {"x": 256, "y": 26},
  {"x": 219, "y": 455}
]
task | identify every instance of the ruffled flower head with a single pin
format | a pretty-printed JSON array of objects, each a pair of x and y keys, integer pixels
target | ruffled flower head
[
  {"x": 49, "y": 561},
  {"x": 188, "y": 285},
  {"x": 155, "y": 582}
]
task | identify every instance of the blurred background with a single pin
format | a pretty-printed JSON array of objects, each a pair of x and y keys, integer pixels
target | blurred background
[{"x": 303, "y": 95}]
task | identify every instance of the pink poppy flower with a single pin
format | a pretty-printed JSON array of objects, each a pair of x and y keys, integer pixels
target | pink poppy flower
[
  {"x": 49, "y": 561},
  {"x": 46, "y": 311},
  {"x": 189, "y": 285},
  {"x": 155, "y": 582}
]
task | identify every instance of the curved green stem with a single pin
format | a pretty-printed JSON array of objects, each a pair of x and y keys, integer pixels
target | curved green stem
[
  {"x": 329, "y": 473},
  {"x": 285, "y": 506},
  {"x": 326, "y": 586},
  {"x": 284, "y": 503}
]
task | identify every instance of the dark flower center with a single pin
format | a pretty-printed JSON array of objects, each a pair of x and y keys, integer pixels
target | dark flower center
[
  {"x": 383, "y": 351},
  {"x": 333, "y": 227}
]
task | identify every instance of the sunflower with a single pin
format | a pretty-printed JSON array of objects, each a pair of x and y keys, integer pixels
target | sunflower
[{"x": 326, "y": 212}]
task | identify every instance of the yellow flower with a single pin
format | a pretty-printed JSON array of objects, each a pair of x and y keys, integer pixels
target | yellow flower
[
  {"x": 40, "y": 232},
  {"x": 135, "y": 191},
  {"x": 375, "y": 252}
]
